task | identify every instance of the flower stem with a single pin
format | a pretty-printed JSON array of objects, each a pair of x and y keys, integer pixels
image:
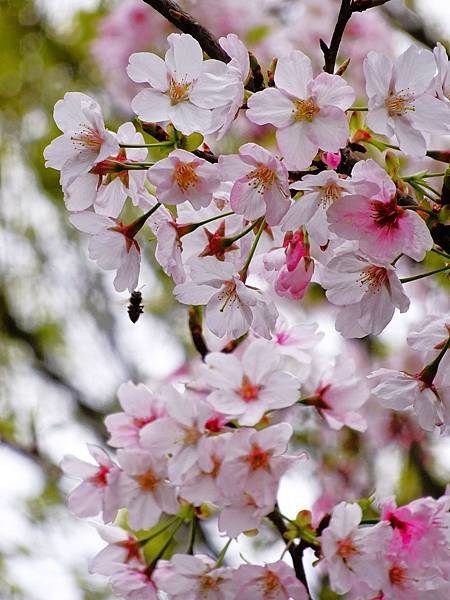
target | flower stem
[
  {"x": 157, "y": 533},
  {"x": 221, "y": 556},
  {"x": 429, "y": 372},
  {"x": 169, "y": 541},
  {"x": 192, "y": 532},
  {"x": 440, "y": 253},
  {"x": 242, "y": 234},
  {"x": 133, "y": 166},
  {"x": 194, "y": 226},
  {"x": 357, "y": 109},
  {"x": 422, "y": 275},
  {"x": 243, "y": 272},
  {"x": 138, "y": 224},
  {"x": 152, "y": 145}
]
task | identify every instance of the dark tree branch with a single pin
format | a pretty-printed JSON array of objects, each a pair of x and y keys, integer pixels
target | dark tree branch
[
  {"x": 295, "y": 550},
  {"x": 173, "y": 12},
  {"x": 348, "y": 7}
]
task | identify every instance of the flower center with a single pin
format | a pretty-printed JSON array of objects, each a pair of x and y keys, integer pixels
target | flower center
[
  {"x": 185, "y": 176},
  {"x": 397, "y": 575},
  {"x": 305, "y": 110},
  {"x": 99, "y": 479},
  {"x": 386, "y": 214},
  {"x": 261, "y": 178},
  {"x": 228, "y": 295},
  {"x": 248, "y": 391},
  {"x": 208, "y": 583},
  {"x": 373, "y": 277},
  {"x": 398, "y": 104},
  {"x": 346, "y": 548},
  {"x": 258, "y": 458},
  {"x": 132, "y": 547},
  {"x": 178, "y": 91},
  {"x": 329, "y": 193},
  {"x": 87, "y": 139},
  {"x": 139, "y": 423},
  {"x": 148, "y": 481},
  {"x": 191, "y": 436},
  {"x": 271, "y": 582}
]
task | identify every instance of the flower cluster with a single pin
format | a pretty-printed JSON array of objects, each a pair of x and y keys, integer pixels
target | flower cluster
[{"x": 242, "y": 235}]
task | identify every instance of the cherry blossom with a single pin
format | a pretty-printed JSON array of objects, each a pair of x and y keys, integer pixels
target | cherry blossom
[
  {"x": 383, "y": 229},
  {"x": 98, "y": 490},
  {"x": 194, "y": 578},
  {"x": 430, "y": 401},
  {"x": 232, "y": 307},
  {"x": 367, "y": 292},
  {"x": 352, "y": 552},
  {"x": 260, "y": 183},
  {"x": 431, "y": 336},
  {"x": 246, "y": 387},
  {"x": 275, "y": 581},
  {"x": 238, "y": 73},
  {"x": 401, "y": 101},
  {"x": 112, "y": 246},
  {"x": 339, "y": 394},
  {"x": 122, "y": 548},
  {"x": 319, "y": 192},
  {"x": 200, "y": 481},
  {"x": 133, "y": 583},
  {"x": 308, "y": 113},
  {"x": 180, "y": 432},
  {"x": 242, "y": 511},
  {"x": 182, "y": 177},
  {"x": 255, "y": 462},
  {"x": 443, "y": 75},
  {"x": 140, "y": 407},
  {"x": 85, "y": 141},
  {"x": 144, "y": 489},
  {"x": 177, "y": 91}
]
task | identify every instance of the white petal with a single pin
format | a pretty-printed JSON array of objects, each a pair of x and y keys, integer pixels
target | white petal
[{"x": 145, "y": 67}]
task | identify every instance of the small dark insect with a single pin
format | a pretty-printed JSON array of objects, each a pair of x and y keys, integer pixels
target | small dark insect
[{"x": 135, "y": 306}]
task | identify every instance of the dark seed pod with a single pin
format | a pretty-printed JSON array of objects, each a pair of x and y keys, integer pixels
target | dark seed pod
[{"x": 135, "y": 306}]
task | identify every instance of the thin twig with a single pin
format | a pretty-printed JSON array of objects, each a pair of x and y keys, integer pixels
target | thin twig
[{"x": 173, "y": 12}]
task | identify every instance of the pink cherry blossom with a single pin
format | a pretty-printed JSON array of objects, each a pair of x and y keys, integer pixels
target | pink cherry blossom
[
  {"x": 182, "y": 177},
  {"x": 319, "y": 193},
  {"x": 177, "y": 91},
  {"x": 255, "y": 462},
  {"x": 443, "y": 75},
  {"x": 180, "y": 433},
  {"x": 238, "y": 71},
  {"x": 140, "y": 407},
  {"x": 200, "y": 481},
  {"x": 296, "y": 344},
  {"x": 122, "y": 548},
  {"x": 248, "y": 386},
  {"x": 275, "y": 581},
  {"x": 144, "y": 489},
  {"x": 260, "y": 183},
  {"x": 232, "y": 307},
  {"x": 242, "y": 511},
  {"x": 308, "y": 113},
  {"x": 98, "y": 490},
  {"x": 339, "y": 394},
  {"x": 401, "y": 101},
  {"x": 366, "y": 292},
  {"x": 401, "y": 391},
  {"x": 352, "y": 552},
  {"x": 85, "y": 140},
  {"x": 431, "y": 336},
  {"x": 133, "y": 583},
  {"x": 194, "y": 578},
  {"x": 383, "y": 229},
  {"x": 112, "y": 246}
]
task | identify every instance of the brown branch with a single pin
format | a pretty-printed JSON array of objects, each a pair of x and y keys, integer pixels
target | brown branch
[
  {"x": 348, "y": 7},
  {"x": 173, "y": 12},
  {"x": 295, "y": 550}
]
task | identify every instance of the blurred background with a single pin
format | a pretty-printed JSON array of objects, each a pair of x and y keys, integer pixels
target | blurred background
[{"x": 66, "y": 342}]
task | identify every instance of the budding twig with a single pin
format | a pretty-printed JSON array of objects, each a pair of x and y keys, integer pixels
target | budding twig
[
  {"x": 348, "y": 7},
  {"x": 173, "y": 12}
]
